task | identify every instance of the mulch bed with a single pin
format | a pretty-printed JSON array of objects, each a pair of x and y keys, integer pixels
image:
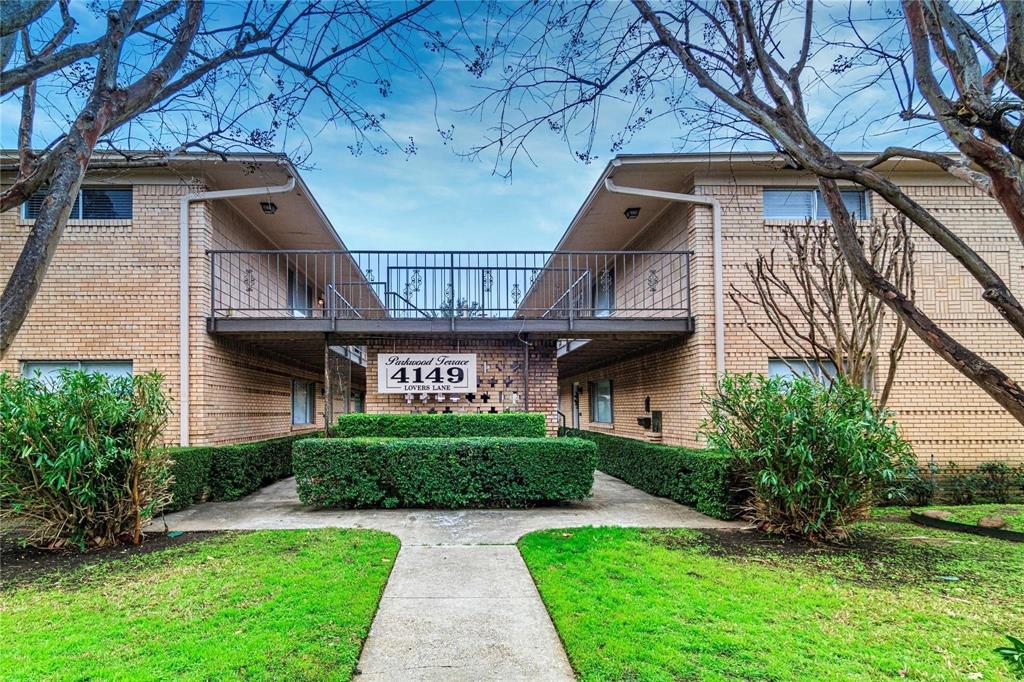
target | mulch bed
[{"x": 19, "y": 565}]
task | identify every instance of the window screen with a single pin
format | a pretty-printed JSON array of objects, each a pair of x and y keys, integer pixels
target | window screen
[
  {"x": 808, "y": 367},
  {"x": 49, "y": 370},
  {"x": 800, "y": 204},
  {"x": 303, "y": 404},
  {"x": 107, "y": 203},
  {"x": 788, "y": 203},
  {"x": 601, "y": 401},
  {"x": 93, "y": 203},
  {"x": 855, "y": 202}
]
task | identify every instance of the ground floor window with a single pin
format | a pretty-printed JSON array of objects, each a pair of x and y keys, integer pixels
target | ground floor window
[
  {"x": 49, "y": 370},
  {"x": 601, "y": 401},
  {"x": 303, "y": 401},
  {"x": 807, "y": 367},
  {"x": 358, "y": 401}
]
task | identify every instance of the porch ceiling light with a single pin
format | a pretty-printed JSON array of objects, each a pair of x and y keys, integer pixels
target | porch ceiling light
[
  {"x": 632, "y": 213},
  {"x": 270, "y": 208}
]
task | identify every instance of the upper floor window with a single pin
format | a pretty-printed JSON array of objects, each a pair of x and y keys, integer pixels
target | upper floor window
[
  {"x": 92, "y": 203},
  {"x": 604, "y": 293},
  {"x": 801, "y": 204},
  {"x": 300, "y": 296}
]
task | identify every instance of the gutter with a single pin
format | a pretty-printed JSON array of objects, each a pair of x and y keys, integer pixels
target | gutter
[
  {"x": 716, "y": 240},
  {"x": 183, "y": 282}
]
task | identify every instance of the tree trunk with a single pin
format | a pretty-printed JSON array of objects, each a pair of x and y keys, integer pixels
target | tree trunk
[
  {"x": 29, "y": 271},
  {"x": 987, "y": 376}
]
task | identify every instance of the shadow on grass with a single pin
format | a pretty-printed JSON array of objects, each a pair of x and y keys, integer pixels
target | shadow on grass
[{"x": 886, "y": 554}]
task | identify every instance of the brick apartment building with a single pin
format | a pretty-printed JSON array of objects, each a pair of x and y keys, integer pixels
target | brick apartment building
[{"x": 618, "y": 329}]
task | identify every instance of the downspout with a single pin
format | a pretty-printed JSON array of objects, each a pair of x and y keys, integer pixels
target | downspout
[
  {"x": 183, "y": 283},
  {"x": 716, "y": 248}
]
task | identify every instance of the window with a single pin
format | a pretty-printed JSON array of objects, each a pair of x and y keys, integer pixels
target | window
[
  {"x": 303, "y": 402},
  {"x": 300, "y": 296},
  {"x": 49, "y": 370},
  {"x": 604, "y": 293},
  {"x": 800, "y": 204},
  {"x": 806, "y": 367},
  {"x": 93, "y": 203},
  {"x": 601, "y": 401}
]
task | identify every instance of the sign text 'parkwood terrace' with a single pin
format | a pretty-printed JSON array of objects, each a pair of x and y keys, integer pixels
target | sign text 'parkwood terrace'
[{"x": 426, "y": 372}]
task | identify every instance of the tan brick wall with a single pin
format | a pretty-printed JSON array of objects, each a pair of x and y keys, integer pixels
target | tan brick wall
[
  {"x": 943, "y": 414},
  {"x": 497, "y": 360},
  {"x": 238, "y": 392},
  {"x": 111, "y": 293}
]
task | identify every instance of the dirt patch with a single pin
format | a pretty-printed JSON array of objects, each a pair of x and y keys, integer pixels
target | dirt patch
[{"x": 20, "y": 565}]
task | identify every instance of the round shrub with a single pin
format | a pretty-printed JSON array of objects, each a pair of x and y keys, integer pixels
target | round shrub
[
  {"x": 814, "y": 455},
  {"x": 77, "y": 462}
]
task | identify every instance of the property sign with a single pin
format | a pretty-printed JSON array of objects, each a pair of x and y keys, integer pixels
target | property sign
[{"x": 426, "y": 372}]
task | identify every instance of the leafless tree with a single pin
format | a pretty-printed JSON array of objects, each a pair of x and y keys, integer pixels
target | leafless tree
[
  {"x": 185, "y": 75},
  {"x": 741, "y": 70},
  {"x": 819, "y": 310}
]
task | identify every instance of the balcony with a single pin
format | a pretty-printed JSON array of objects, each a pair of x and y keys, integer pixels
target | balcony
[{"x": 562, "y": 294}]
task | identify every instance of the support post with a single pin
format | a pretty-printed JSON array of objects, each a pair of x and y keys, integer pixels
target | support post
[
  {"x": 328, "y": 388},
  {"x": 526, "y": 372}
]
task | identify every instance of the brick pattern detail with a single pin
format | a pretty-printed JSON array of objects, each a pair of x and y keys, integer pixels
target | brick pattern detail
[{"x": 497, "y": 360}]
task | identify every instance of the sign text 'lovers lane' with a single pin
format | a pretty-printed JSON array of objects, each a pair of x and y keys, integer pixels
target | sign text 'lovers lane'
[{"x": 426, "y": 372}]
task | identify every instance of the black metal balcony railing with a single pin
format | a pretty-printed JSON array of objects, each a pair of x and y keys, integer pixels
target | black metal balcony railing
[{"x": 450, "y": 284}]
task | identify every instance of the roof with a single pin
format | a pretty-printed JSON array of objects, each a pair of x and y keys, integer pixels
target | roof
[
  {"x": 299, "y": 223},
  {"x": 600, "y": 224}
]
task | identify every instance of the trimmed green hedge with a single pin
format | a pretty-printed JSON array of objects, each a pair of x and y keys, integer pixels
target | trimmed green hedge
[
  {"x": 190, "y": 470},
  {"x": 228, "y": 472},
  {"x": 506, "y": 424},
  {"x": 442, "y": 472},
  {"x": 702, "y": 479}
]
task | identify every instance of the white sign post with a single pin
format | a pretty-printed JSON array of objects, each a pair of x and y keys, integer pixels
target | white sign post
[{"x": 426, "y": 372}]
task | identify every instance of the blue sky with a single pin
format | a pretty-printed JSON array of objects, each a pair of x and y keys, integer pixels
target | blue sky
[{"x": 439, "y": 198}]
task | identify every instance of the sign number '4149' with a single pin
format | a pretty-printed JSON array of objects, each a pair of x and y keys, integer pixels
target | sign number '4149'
[{"x": 426, "y": 372}]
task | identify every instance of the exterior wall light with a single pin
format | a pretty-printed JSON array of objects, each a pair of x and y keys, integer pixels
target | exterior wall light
[
  {"x": 270, "y": 208},
  {"x": 632, "y": 213}
]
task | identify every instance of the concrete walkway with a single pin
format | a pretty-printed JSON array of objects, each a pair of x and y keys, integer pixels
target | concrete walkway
[{"x": 460, "y": 604}]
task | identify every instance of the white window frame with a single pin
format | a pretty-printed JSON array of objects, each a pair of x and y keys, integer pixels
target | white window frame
[
  {"x": 80, "y": 203},
  {"x": 816, "y": 203}
]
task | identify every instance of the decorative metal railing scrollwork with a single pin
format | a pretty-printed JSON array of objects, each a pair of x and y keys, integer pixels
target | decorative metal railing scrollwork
[{"x": 450, "y": 284}]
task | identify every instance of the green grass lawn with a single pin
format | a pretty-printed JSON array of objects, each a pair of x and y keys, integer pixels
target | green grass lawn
[
  {"x": 1012, "y": 513},
  {"x": 270, "y": 605},
  {"x": 636, "y": 604}
]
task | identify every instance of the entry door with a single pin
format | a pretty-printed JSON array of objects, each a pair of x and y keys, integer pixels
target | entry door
[{"x": 576, "y": 405}]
